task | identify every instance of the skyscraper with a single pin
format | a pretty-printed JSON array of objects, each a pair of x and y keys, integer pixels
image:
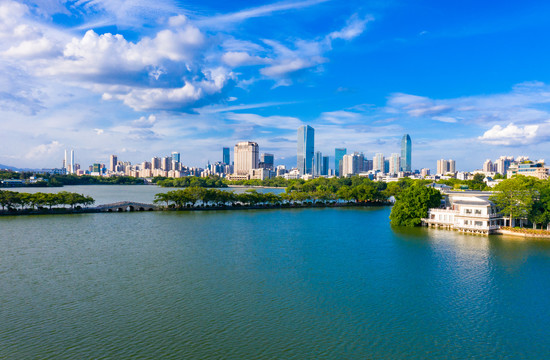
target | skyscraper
[
  {"x": 395, "y": 162},
  {"x": 225, "y": 156},
  {"x": 306, "y": 139},
  {"x": 176, "y": 156},
  {"x": 72, "y": 162},
  {"x": 488, "y": 166},
  {"x": 378, "y": 163},
  {"x": 267, "y": 161},
  {"x": 338, "y": 156},
  {"x": 325, "y": 167},
  {"x": 155, "y": 163},
  {"x": 406, "y": 152},
  {"x": 247, "y": 157},
  {"x": 113, "y": 162},
  {"x": 318, "y": 163},
  {"x": 445, "y": 166},
  {"x": 352, "y": 164}
]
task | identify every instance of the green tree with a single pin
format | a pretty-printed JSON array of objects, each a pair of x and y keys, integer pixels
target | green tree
[
  {"x": 412, "y": 205},
  {"x": 515, "y": 197}
]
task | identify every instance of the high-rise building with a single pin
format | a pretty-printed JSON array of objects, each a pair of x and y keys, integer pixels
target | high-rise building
[
  {"x": 155, "y": 163},
  {"x": 166, "y": 163},
  {"x": 246, "y": 154},
  {"x": 306, "y": 140},
  {"x": 318, "y": 163},
  {"x": 72, "y": 162},
  {"x": 452, "y": 166},
  {"x": 225, "y": 156},
  {"x": 425, "y": 172},
  {"x": 442, "y": 166},
  {"x": 325, "y": 167},
  {"x": 378, "y": 163},
  {"x": 113, "y": 161},
  {"x": 338, "y": 156},
  {"x": 267, "y": 161},
  {"x": 502, "y": 164},
  {"x": 176, "y": 156},
  {"x": 488, "y": 166},
  {"x": 406, "y": 152},
  {"x": 352, "y": 164},
  {"x": 65, "y": 163},
  {"x": 445, "y": 166},
  {"x": 394, "y": 164}
]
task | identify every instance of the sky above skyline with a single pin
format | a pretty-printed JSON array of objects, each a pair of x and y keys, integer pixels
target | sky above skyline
[{"x": 467, "y": 80}]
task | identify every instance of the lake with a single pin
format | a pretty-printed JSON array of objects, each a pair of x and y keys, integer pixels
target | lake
[
  {"x": 104, "y": 194},
  {"x": 264, "y": 284}
]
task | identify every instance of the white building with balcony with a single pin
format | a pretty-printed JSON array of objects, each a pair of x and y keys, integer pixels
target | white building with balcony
[{"x": 467, "y": 211}]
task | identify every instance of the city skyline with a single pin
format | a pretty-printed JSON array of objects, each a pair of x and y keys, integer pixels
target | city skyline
[{"x": 135, "y": 79}]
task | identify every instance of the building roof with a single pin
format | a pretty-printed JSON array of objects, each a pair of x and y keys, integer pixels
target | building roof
[{"x": 471, "y": 202}]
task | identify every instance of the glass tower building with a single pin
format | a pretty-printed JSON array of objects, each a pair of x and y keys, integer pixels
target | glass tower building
[
  {"x": 406, "y": 150},
  {"x": 225, "y": 157},
  {"x": 338, "y": 156},
  {"x": 306, "y": 139}
]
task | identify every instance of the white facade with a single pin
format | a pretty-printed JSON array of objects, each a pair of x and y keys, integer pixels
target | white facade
[
  {"x": 468, "y": 211},
  {"x": 395, "y": 163},
  {"x": 247, "y": 157}
]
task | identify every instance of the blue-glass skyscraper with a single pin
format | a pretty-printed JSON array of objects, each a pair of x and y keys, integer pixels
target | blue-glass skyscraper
[
  {"x": 406, "y": 151},
  {"x": 338, "y": 156},
  {"x": 306, "y": 139},
  {"x": 176, "y": 156},
  {"x": 225, "y": 158}
]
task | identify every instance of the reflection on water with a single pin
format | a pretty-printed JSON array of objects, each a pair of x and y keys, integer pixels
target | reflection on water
[{"x": 265, "y": 284}]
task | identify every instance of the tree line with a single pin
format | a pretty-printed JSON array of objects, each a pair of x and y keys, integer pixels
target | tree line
[
  {"x": 12, "y": 200},
  {"x": 321, "y": 190},
  {"x": 524, "y": 198},
  {"x": 191, "y": 181}
]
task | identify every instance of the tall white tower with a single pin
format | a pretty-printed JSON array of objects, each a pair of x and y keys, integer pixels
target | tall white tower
[
  {"x": 72, "y": 161},
  {"x": 65, "y": 162}
]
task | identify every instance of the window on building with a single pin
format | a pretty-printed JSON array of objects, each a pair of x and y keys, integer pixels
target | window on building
[
  {"x": 478, "y": 223},
  {"x": 478, "y": 212}
]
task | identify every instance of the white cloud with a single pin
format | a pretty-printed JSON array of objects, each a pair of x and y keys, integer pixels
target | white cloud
[
  {"x": 265, "y": 10},
  {"x": 354, "y": 28},
  {"x": 44, "y": 150},
  {"x": 238, "y": 58},
  {"x": 191, "y": 94},
  {"x": 145, "y": 122},
  {"x": 340, "y": 117},
  {"x": 445, "y": 119},
  {"x": 510, "y": 135}
]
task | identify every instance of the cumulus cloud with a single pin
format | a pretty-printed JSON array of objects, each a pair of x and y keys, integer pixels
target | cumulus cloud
[
  {"x": 44, "y": 150},
  {"x": 192, "y": 94},
  {"x": 510, "y": 135},
  {"x": 145, "y": 122}
]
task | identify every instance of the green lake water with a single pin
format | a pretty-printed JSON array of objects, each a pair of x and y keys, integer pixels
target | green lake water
[{"x": 335, "y": 283}]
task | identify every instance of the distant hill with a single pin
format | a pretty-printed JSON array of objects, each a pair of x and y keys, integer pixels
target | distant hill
[{"x": 6, "y": 167}]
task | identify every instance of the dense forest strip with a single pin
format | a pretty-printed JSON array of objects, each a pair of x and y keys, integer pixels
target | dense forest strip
[{"x": 11, "y": 200}]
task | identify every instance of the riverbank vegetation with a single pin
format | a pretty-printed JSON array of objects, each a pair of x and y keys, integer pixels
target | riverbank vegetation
[
  {"x": 524, "y": 198},
  {"x": 12, "y": 201},
  {"x": 321, "y": 191},
  {"x": 191, "y": 181},
  {"x": 412, "y": 204}
]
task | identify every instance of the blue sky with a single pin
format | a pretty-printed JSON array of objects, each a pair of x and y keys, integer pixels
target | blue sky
[{"x": 467, "y": 80}]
